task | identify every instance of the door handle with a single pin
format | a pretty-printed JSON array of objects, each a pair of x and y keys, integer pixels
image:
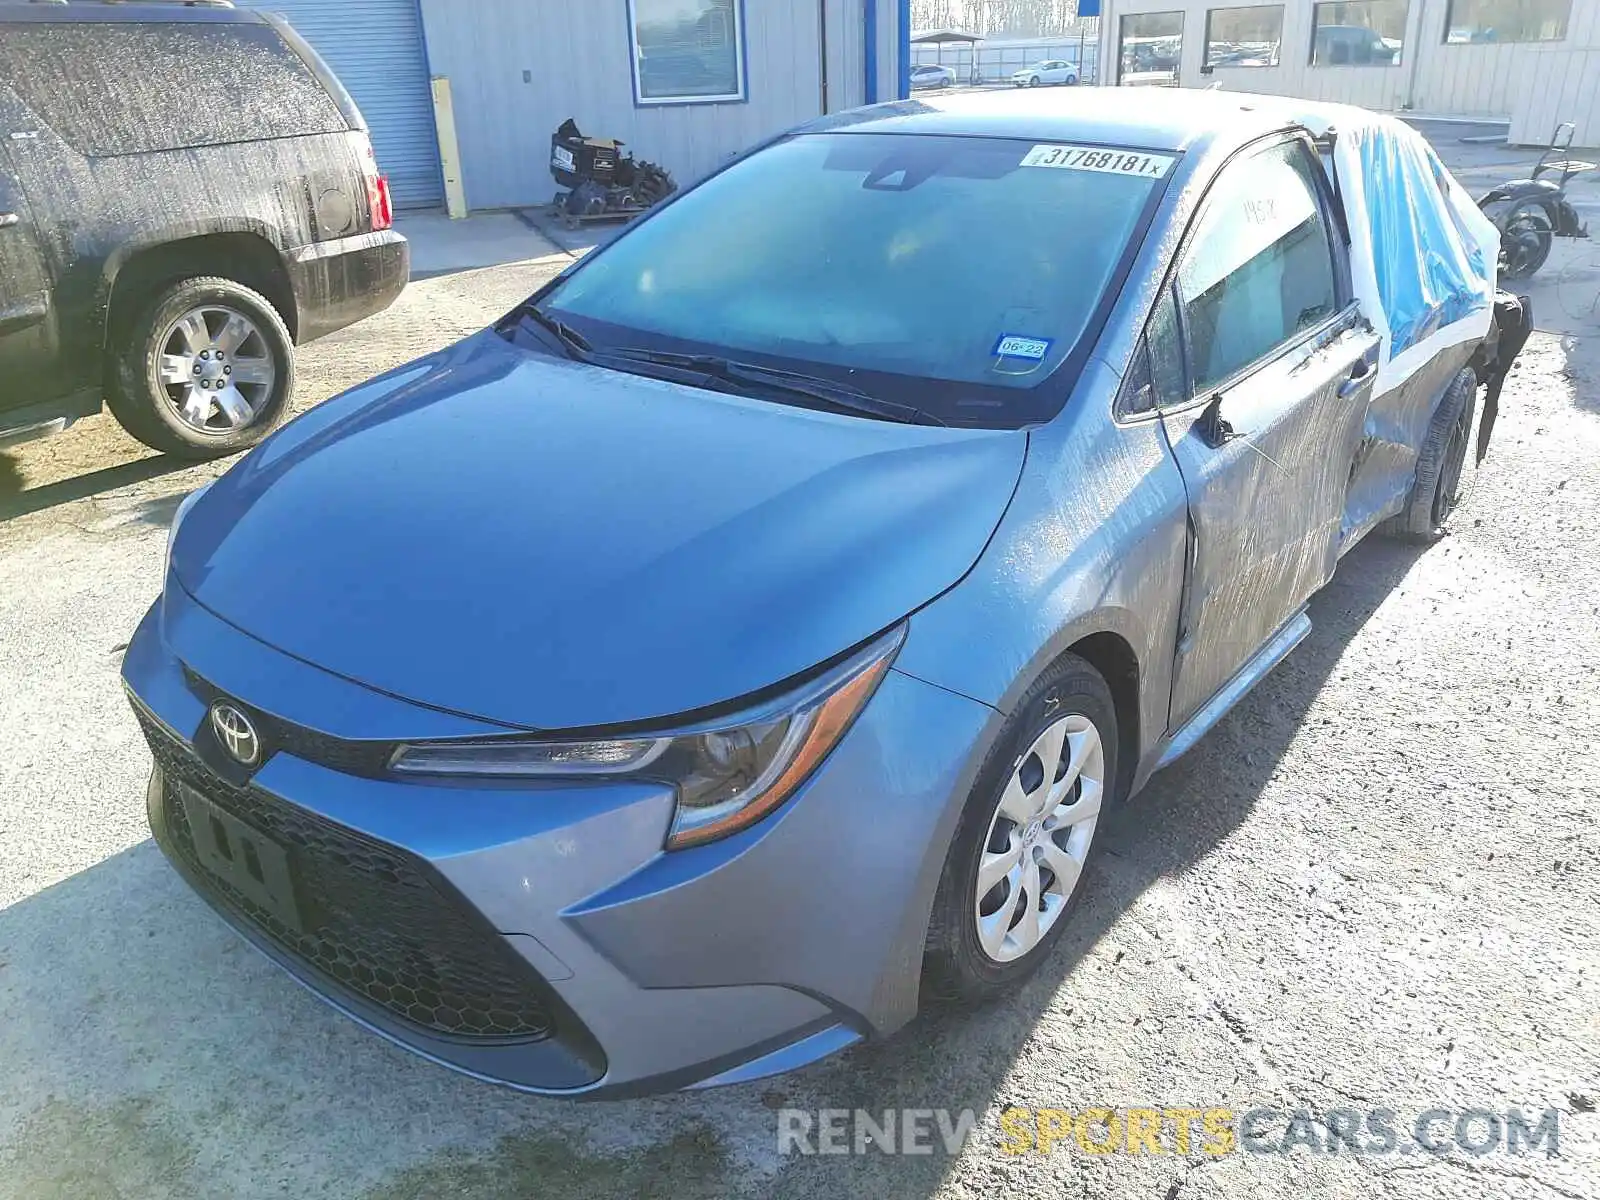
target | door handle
[
  {"x": 1358, "y": 376},
  {"x": 7, "y": 220}
]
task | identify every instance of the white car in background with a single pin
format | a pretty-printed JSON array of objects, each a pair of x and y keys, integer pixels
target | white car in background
[
  {"x": 1055, "y": 72},
  {"x": 930, "y": 75}
]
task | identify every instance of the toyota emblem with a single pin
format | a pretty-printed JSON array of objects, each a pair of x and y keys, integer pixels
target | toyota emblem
[{"x": 235, "y": 734}]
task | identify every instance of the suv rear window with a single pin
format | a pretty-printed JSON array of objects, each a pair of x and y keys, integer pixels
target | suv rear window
[{"x": 127, "y": 88}]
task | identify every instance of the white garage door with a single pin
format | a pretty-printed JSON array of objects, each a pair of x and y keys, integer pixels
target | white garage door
[{"x": 375, "y": 47}]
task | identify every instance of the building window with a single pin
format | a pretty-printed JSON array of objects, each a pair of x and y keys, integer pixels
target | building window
[
  {"x": 1150, "y": 48},
  {"x": 687, "y": 51},
  {"x": 1506, "y": 21},
  {"x": 1358, "y": 33},
  {"x": 1243, "y": 37}
]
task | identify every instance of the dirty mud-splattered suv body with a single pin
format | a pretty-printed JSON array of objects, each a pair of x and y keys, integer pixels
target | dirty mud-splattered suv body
[{"x": 181, "y": 190}]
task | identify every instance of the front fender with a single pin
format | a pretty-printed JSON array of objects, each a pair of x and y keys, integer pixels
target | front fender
[
  {"x": 1093, "y": 542},
  {"x": 1499, "y": 203},
  {"x": 1521, "y": 189},
  {"x": 1563, "y": 217}
]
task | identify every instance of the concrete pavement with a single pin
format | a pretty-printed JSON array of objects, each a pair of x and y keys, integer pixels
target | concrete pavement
[{"x": 440, "y": 246}]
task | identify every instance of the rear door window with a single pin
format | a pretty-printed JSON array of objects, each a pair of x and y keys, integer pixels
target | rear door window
[
  {"x": 111, "y": 88},
  {"x": 1259, "y": 269}
]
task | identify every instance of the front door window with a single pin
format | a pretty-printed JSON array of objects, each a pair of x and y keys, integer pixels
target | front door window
[{"x": 1259, "y": 269}]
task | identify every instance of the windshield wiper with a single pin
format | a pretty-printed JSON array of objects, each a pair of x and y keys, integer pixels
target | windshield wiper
[
  {"x": 772, "y": 379},
  {"x": 570, "y": 342}
]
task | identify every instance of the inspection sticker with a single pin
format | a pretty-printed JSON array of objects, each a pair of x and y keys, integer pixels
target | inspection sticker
[
  {"x": 1012, "y": 346},
  {"x": 1093, "y": 158}
]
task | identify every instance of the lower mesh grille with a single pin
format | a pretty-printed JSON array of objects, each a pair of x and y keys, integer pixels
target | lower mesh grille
[{"x": 372, "y": 917}]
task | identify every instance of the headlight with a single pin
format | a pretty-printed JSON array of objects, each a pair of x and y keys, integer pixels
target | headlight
[
  {"x": 182, "y": 511},
  {"x": 728, "y": 774}
]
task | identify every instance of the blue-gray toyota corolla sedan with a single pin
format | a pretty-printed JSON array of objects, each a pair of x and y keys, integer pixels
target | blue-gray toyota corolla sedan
[{"x": 744, "y": 637}]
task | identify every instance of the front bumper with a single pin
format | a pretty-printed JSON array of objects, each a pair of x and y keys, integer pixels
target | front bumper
[
  {"x": 605, "y": 966},
  {"x": 339, "y": 282}
]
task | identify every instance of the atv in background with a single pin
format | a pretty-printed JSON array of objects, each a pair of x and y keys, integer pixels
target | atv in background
[
  {"x": 603, "y": 183},
  {"x": 1531, "y": 213}
]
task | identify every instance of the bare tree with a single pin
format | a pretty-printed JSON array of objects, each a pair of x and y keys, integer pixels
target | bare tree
[{"x": 993, "y": 18}]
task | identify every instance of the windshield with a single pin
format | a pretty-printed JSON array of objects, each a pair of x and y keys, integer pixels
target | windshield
[{"x": 953, "y": 274}]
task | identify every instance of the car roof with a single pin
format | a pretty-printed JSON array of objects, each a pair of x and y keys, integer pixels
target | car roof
[
  {"x": 1155, "y": 118},
  {"x": 103, "y": 11}
]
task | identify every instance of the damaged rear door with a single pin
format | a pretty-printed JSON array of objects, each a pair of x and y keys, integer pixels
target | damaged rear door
[{"x": 1277, "y": 367}]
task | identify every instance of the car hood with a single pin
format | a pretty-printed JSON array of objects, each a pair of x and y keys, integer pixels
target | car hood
[{"x": 551, "y": 545}]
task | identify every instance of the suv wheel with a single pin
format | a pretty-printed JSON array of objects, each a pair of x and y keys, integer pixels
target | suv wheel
[
  {"x": 1013, "y": 873},
  {"x": 204, "y": 370}
]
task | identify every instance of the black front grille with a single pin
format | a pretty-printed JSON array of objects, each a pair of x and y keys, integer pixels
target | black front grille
[
  {"x": 376, "y": 920},
  {"x": 367, "y": 758}
]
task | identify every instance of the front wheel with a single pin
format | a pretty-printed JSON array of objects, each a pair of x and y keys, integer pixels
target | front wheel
[
  {"x": 1015, "y": 868},
  {"x": 1526, "y": 236},
  {"x": 203, "y": 370},
  {"x": 1033, "y": 81}
]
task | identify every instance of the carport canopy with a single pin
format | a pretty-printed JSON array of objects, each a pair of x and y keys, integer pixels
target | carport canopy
[
  {"x": 935, "y": 37},
  {"x": 943, "y": 37}
]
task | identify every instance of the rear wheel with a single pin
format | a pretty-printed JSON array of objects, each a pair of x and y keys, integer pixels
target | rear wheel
[
  {"x": 204, "y": 370},
  {"x": 1441, "y": 466},
  {"x": 1013, "y": 874}
]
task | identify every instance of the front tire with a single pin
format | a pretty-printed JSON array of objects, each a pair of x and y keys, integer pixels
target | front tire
[
  {"x": 204, "y": 370},
  {"x": 1525, "y": 240},
  {"x": 1033, "y": 81},
  {"x": 1015, "y": 868}
]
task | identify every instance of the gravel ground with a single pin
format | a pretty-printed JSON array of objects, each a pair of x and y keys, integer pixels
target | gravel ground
[{"x": 1374, "y": 885}]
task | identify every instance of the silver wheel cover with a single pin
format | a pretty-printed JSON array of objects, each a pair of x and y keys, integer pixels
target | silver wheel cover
[{"x": 1038, "y": 838}]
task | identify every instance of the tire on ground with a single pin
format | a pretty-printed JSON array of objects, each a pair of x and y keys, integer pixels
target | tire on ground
[
  {"x": 955, "y": 964},
  {"x": 1439, "y": 465},
  {"x": 139, "y": 401}
]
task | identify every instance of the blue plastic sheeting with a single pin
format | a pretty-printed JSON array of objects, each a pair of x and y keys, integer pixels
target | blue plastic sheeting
[{"x": 1431, "y": 270}]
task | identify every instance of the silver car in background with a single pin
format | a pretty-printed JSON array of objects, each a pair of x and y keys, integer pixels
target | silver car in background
[
  {"x": 931, "y": 75},
  {"x": 1054, "y": 72}
]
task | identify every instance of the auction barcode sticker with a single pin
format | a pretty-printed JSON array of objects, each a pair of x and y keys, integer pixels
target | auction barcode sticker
[{"x": 1093, "y": 158}]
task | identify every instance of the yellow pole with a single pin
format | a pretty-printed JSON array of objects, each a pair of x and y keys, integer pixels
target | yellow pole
[{"x": 444, "y": 119}]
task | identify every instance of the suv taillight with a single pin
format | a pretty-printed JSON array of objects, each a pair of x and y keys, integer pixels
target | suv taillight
[
  {"x": 382, "y": 205},
  {"x": 379, "y": 203}
]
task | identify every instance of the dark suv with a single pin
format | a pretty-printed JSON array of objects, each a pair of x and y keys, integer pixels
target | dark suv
[{"x": 186, "y": 192}]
